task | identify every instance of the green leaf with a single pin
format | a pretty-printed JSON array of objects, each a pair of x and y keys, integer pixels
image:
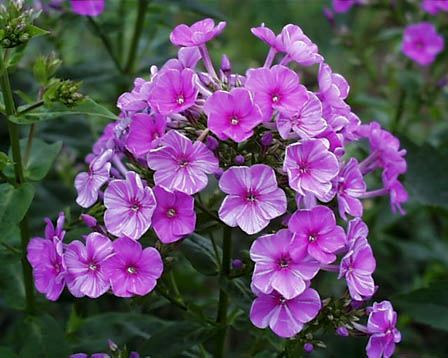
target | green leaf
[
  {"x": 199, "y": 252},
  {"x": 41, "y": 159},
  {"x": 427, "y": 305},
  {"x": 35, "y": 31},
  {"x": 86, "y": 107},
  {"x": 14, "y": 203},
  {"x": 427, "y": 175}
]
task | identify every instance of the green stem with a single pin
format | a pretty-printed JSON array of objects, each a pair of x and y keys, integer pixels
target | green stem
[
  {"x": 138, "y": 29},
  {"x": 223, "y": 303},
  {"x": 106, "y": 42},
  {"x": 13, "y": 130},
  {"x": 31, "y": 107}
]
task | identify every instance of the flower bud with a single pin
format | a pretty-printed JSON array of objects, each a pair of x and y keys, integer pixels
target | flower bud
[
  {"x": 239, "y": 159},
  {"x": 308, "y": 347},
  {"x": 342, "y": 331},
  {"x": 266, "y": 139},
  {"x": 237, "y": 264},
  {"x": 211, "y": 143},
  {"x": 65, "y": 92},
  {"x": 89, "y": 220},
  {"x": 112, "y": 345},
  {"x": 226, "y": 67}
]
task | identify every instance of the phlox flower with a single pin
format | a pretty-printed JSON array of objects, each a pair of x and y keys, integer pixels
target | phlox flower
[
  {"x": 344, "y": 5},
  {"x": 85, "y": 265},
  {"x": 174, "y": 217},
  {"x": 88, "y": 184},
  {"x": 180, "y": 164},
  {"x": 276, "y": 88},
  {"x": 422, "y": 43},
  {"x": 357, "y": 230},
  {"x": 266, "y": 35},
  {"x": 333, "y": 89},
  {"x": 137, "y": 99},
  {"x": 298, "y": 46},
  {"x": 433, "y": 7},
  {"x": 131, "y": 269},
  {"x": 232, "y": 114},
  {"x": 129, "y": 204},
  {"x": 197, "y": 34},
  {"x": 316, "y": 230},
  {"x": 145, "y": 131},
  {"x": 384, "y": 335},
  {"x": 310, "y": 167},
  {"x": 253, "y": 199},
  {"x": 173, "y": 91},
  {"x": 88, "y": 7},
  {"x": 285, "y": 317},
  {"x": 281, "y": 264},
  {"x": 187, "y": 57}
]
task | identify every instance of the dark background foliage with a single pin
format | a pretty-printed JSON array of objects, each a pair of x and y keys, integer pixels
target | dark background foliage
[{"x": 364, "y": 46}]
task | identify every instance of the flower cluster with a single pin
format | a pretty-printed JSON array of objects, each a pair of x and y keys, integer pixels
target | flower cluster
[{"x": 280, "y": 152}]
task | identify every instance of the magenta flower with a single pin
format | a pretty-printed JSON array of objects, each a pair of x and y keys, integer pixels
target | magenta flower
[
  {"x": 357, "y": 266},
  {"x": 145, "y": 131},
  {"x": 182, "y": 165},
  {"x": 132, "y": 270},
  {"x": 422, "y": 43},
  {"x": 197, "y": 34},
  {"x": 310, "y": 167},
  {"x": 187, "y": 57},
  {"x": 306, "y": 122},
  {"x": 253, "y": 197},
  {"x": 232, "y": 114},
  {"x": 357, "y": 230},
  {"x": 433, "y": 7},
  {"x": 285, "y": 317},
  {"x": 85, "y": 271},
  {"x": 333, "y": 90},
  {"x": 129, "y": 206},
  {"x": 174, "y": 217},
  {"x": 89, "y": 184},
  {"x": 316, "y": 230},
  {"x": 350, "y": 187},
  {"x": 277, "y": 88},
  {"x": 173, "y": 91},
  {"x": 281, "y": 264},
  {"x": 344, "y": 5},
  {"x": 381, "y": 326},
  {"x": 137, "y": 99},
  {"x": 298, "y": 46},
  {"x": 45, "y": 257},
  {"x": 266, "y": 35},
  {"x": 88, "y": 7}
]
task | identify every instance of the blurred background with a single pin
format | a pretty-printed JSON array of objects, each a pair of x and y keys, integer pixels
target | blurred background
[{"x": 364, "y": 46}]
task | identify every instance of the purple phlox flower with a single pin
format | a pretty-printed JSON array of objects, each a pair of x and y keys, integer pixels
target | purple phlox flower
[
  {"x": 173, "y": 91},
  {"x": 132, "y": 270},
  {"x": 45, "y": 257},
  {"x": 285, "y": 317},
  {"x": 88, "y": 7},
  {"x": 341, "y": 6},
  {"x": 357, "y": 231},
  {"x": 316, "y": 229},
  {"x": 88, "y": 184},
  {"x": 268, "y": 36},
  {"x": 197, "y": 34},
  {"x": 357, "y": 266},
  {"x": 333, "y": 89},
  {"x": 187, "y": 57},
  {"x": 384, "y": 334},
  {"x": 398, "y": 195},
  {"x": 232, "y": 114},
  {"x": 174, "y": 217},
  {"x": 306, "y": 122},
  {"x": 276, "y": 88},
  {"x": 85, "y": 271},
  {"x": 422, "y": 43},
  {"x": 433, "y": 7},
  {"x": 298, "y": 46},
  {"x": 182, "y": 165},
  {"x": 105, "y": 141},
  {"x": 137, "y": 99},
  {"x": 145, "y": 131},
  {"x": 253, "y": 199},
  {"x": 350, "y": 186},
  {"x": 129, "y": 204},
  {"x": 310, "y": 167},
  {"x": 281, "y": 264}
]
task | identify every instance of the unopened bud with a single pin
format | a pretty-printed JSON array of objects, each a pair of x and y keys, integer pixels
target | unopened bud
[
  {"x": 237, "y": 264},
  {"x": 89, "y": 220},
  {"x": 266, "y": 139},
  {"x": 342, "y": 331},
  {"x": 239, "y": 159},
  {"x": 226, "y": 66},
  {"x": 211, "y": 143},
  {"x": 308, "y": 347}
]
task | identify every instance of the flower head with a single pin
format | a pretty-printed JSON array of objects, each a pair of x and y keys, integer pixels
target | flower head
[
  {"x": 433, "y": 7},
  {"x": 180, "y": 164},
  {"x": 89, "y": 184},
  {"x": 253, "y": 197},
  {"x": 197, "y": 34},
  {"x": 174, "y": 217},
  {"x": 145, "y": 131},
  {"x": 129, "y": 206},
  {"x": 310, "y": 167},
  {"x": 381, "y": 326},
  {"x": 88, "y": 7},
  {"x": 85, "y": 270},
  {"x": 276, "y": 88},
  {"x": 132, "y": 270},
  {"x": 232, "y": 114},
  {"x": 173, "y": 91},
  {"x": 316, "y": 230},
  {"x": 281, "y": 264},
  {"x": 422, "y": 43},
  {"x": 298, "y": 46},
  {"x": 286, "y": 317}
]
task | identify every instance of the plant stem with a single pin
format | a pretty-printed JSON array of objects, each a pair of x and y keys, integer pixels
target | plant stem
[
  {"x": 13, "y": 130},
  {"x": 31, "y": 107},
  {"x": 221, "y": 318},
  {"x": 138, "y": 28}
]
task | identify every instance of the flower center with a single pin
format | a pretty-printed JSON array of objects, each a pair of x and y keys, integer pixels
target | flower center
[
  {"x": 284, "y": 262},
  {"x": 251, "y": 197},
  {"x": 57, "y": 267},
  {"x": 93, "y": 267},
  {"x": 131, "y": 270},
  {"x": 282, "y": 300},
  {"x": 234, "y": 121},
  {"x": 275, "y": 98},
  {"x": 180, "y": 99},
  {"x": 183, "y": 163},
  {"x": 312, "y": 238},
  {"x": 135, "y": 207},
  {"x": 171, "y": 213}
]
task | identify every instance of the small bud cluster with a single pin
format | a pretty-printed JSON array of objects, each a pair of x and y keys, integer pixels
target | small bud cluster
[{"x": 15, "y": 24}]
